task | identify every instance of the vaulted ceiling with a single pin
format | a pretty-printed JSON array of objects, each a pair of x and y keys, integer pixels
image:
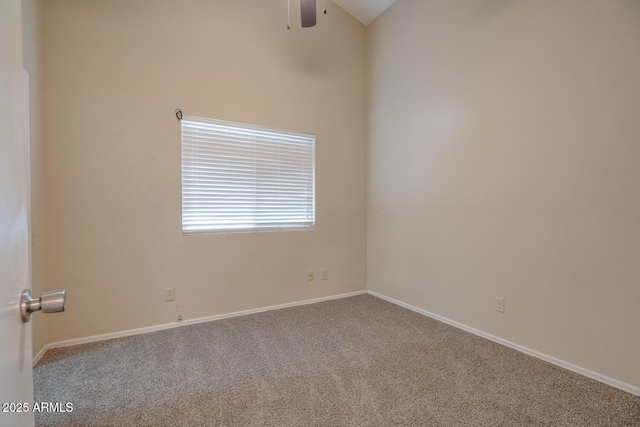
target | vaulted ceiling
[{"x": 364, "y": 11}]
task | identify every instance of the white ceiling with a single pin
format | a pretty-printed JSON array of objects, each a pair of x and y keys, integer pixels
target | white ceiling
[{"x": 364, "y": 11}]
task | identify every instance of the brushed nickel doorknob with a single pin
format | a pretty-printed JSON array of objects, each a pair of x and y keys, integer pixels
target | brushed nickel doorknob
[{"x": 49, "y": 302}]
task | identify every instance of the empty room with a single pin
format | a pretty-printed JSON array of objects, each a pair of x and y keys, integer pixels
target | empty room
[{"x": 319, "y": 213}]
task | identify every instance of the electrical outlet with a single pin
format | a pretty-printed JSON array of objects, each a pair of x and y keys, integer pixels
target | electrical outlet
[
  {"x": 310, "y": 275},
  {"x": 325, "y": 274},
  {"x": 500, "y": 305},
  {"x": 169, "y": 294}
]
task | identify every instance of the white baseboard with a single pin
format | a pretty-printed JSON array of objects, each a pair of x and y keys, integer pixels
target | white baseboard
[
  {"x": 148, "y": 329},
  {"x": 38, "y": 356},
  {"x": 577, "y": 369}
]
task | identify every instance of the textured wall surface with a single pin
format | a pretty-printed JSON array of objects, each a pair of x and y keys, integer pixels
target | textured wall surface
[
  {"x": 504, "y": 145},
  {"x": 115, "y": 72}
]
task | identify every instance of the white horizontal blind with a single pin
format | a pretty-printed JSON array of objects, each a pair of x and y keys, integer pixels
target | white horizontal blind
[{"x": 238, "y": 177}]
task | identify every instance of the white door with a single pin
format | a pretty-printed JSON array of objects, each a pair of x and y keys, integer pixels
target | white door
[{"x": 16, "y": 384}]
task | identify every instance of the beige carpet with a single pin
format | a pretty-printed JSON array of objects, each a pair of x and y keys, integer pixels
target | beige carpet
[{"x": 357, "y": 361}]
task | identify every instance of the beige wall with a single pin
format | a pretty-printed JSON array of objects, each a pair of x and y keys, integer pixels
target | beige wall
[
  {"x": 32, "y": 59},
  {"x": 115, "y": 72},
  {"x": 504, "y": 153},
  {"x": 502, "y": 161}
]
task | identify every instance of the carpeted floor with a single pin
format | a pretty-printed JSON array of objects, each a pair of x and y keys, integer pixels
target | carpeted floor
[{"x": 357, "y": 361}]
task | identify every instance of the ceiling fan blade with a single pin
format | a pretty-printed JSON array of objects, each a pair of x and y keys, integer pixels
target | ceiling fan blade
[{"x": 308, "y": 12}]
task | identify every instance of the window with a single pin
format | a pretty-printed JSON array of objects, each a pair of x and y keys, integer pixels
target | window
[{"x": 238, "y": 177}]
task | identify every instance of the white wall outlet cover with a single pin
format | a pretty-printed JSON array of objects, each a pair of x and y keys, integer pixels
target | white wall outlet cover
[{"x": 500, "y": 305}]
